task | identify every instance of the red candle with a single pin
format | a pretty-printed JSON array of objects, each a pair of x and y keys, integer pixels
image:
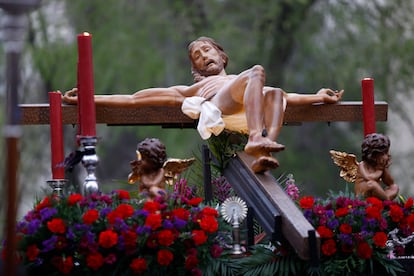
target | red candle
[
  {"x": 368, "y": 107},
  {"x": 86, "y": 101},
  {"x": 56, "y": 132}
]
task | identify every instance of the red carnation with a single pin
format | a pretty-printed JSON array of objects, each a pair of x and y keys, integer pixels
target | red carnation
[
  {"x": 373, "y": 212},
  {"x": 306, "y": 202},
  {"x": 31, "y": 252},
  {"x": 364, "y": 250},
  {"x": 130, "y": 238},
  {"x": 191, "y": 262},
  {"x": 199, "y": 237},
  {"x": 67, "y": 265},
  {"x": 90, "y": 216},
  {"x": 164, "y": 257},
  {"x": 216, "y": 251},
  {"x": 124, "y": 211},
  {"x": 138, "y": 265},
  {"x": 181, "y": 213},
  {"x": 95, "y": 260},
  {"x": 209, "y": 224},
  {"x": 154, "y": 221},
  {"x": 396, "y": 213},
  {"x": 122, "y": 194},
  {"x": 376, "y": 202},
  {"x": 63, "y": 264},
  {"x": 329, "y": 247},
  {"x": 74, "y": 198},
  {"x": 56, "y": 225},
  {"x": 195, "y": 201},
  {"x": 341, "y": 212},
  {"x": 151, "y": 206},
  {"x": 208, "y": 211},
  {"x": 345, "y": 228},
  {"x": 380, "y": 238},
  {"x": 409, "y": 203},
  {"x": 43, "y": 204},
  {"x": 165, "y": 237},
  {"x": 324, "y": 232},
  {"x": 410, "y": 222},
  {"x": 108, "y": 238}
]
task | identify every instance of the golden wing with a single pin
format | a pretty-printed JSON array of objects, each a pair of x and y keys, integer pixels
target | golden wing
[
  {"x": 348, "y": 164},
  {"x": 173, "y": 167}
]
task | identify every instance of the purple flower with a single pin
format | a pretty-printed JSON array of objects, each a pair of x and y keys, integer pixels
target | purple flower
[
  {"x": 105, "y": 211},
  {"x": 21, "y": 225},
  {"x": 93, "y": 205},
  {"x": 141, "y": 230},
  {"x": 167, "y": 224},
  {"x": 33, "y": 226},
  {"x": 345, "y": 238},
  {"x": 141, "y": 213},
  {"x": 70, "y": 234},
  {"x": 333, "y": 224},
  {"x": 49, "y": 244},
  {"x": 47, "y": 213},
  {"x": 222, "y": 188},
  {"x": 292, "y": 190},
  {"x": 179, "y": 223},
  {"x": 121, "y": 225},
  {"x": 30, "y": 215}
]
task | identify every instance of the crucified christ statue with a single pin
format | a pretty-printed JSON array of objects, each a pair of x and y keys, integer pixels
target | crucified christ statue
[{"x": 217, "y": 94}]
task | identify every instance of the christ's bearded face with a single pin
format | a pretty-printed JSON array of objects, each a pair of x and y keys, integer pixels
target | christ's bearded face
[{"x": 206, "y": 59}]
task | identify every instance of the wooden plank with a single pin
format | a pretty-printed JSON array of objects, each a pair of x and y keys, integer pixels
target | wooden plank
[
  {"x": 38, "y": 114},
  {"x": 261, "y": 191}
]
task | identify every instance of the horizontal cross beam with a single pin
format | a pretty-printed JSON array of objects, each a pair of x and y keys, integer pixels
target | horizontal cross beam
[{"x": 38, "y": 114}]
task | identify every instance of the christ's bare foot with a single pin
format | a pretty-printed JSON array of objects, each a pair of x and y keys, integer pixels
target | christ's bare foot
[
  {"x": 264, "y": 163},
  {"x": 262, "y": 146}
]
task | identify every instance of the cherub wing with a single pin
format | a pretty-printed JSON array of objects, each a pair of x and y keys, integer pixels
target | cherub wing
[
  {"x": 348, "y": 164},
  {"x": 173, "y": 167}
]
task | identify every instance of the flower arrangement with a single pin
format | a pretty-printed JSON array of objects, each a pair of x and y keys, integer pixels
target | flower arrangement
[
  {"x": 354, "y": 232},
  {"x": 115, "y": 234}
]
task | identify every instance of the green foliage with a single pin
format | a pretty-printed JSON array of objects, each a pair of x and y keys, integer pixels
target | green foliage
[
  {"x": 259, "y": 261},
  {"x": 225, "y": 146}
]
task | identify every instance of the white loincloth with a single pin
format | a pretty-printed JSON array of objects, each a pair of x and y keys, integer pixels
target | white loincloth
[{"x": 211, "y": 121}]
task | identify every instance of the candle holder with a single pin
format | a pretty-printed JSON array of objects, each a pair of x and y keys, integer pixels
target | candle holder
[
  {"x": 89, "y": 160},
  {"x": 58, "y": 186}
]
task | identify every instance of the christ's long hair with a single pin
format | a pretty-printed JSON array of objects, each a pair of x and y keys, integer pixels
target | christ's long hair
[{"x": 197, "y": 75}]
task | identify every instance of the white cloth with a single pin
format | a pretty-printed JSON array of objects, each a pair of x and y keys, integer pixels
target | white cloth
[
  {"x": 210, "y": 118},
  {"x": 210, "y": 121}
]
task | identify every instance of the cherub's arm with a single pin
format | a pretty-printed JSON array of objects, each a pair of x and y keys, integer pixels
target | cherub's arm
[
  {"x": 324, "y": 95},
  {"x": 372, "y": 185},
  {"x": 387, "y": 177}
]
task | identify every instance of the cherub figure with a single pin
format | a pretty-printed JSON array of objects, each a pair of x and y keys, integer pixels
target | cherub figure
[
  {"x": 372, "y": 173},
  {"x": 215, "y": 96},
  {"x": 152, "y": 168}
]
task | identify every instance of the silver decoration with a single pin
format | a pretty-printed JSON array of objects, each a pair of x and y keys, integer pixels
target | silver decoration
[
  {"x": 58, "y": 186},
  {"x": 90, "y": 161},
  {"x": 234, "y": 211},
  {"x": 394, "y": 241}
]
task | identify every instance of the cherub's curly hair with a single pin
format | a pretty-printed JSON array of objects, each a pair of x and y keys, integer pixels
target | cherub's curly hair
[
  {"x": 154, "y": 151},
  {"x": 373, "y": 145},
  {"x": 197, "y": 75}
]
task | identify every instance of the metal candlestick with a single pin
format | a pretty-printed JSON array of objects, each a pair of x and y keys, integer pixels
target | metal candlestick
[
  {"x": 57, "y": 186},
  {"x": 236, "y": 234},
  {"x": 89, "y": 160},
  {"x": 234, "y": 211}
]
